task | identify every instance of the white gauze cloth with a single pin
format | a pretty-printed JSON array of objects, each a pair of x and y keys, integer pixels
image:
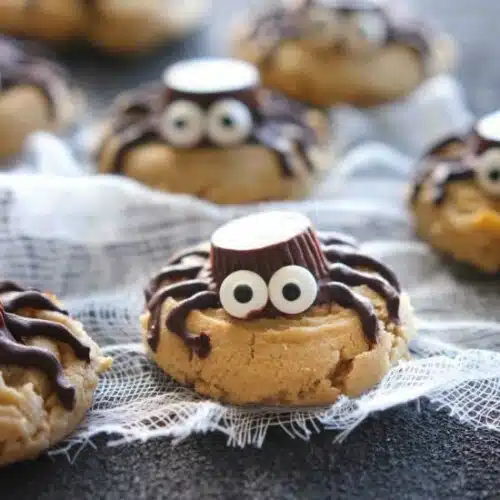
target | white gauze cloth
[{"x": 95, "y": 241}]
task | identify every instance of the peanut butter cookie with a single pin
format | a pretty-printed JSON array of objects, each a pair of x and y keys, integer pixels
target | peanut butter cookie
[
  {"x": 456, "y": 197},
  {"x": 272, "y": 312}
]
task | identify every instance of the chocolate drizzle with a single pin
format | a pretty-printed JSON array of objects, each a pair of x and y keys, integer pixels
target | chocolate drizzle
[
  {"x": 284, "y": 23},
  {"x": 137, "y": 121},
  {"x": 18, "y": 67},
  {"x": 331, "y": 258},
  {"x": 345, "y": 297},
  {"x": 14, "y": 329}
]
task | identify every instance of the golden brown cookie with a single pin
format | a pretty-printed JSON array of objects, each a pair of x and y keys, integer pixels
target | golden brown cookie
[
  {"x": 35, "y": 94},
  {"x": 116, "y": 26},
  {"x": 49, "y": 369},
  {"x": 342, "y": 52},
  {"x": 456, "y": 198},
  {"x": 271, "y": 312},
  {"x": 210, "y": 131}
]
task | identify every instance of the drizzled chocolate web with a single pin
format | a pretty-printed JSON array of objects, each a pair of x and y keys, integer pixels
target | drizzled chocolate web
[
  {"x": 14, "y": 329},
  {"x": 194, "y": 278},
  {"x": 18, "y": 67}
]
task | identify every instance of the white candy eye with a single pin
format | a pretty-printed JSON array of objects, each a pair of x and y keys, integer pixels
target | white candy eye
[
  {"x": 229, "y": 122},
  {"x": 242, "y": 293},
  {"x": 183, "y": 123},
  {"x": 488, "y": 171},
  {"x": 293, "y": 289},
  {"x": 372, "y": 27}
]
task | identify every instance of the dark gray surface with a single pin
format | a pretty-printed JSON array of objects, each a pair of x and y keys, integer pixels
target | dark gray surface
[{"x": 401, "y": 454}]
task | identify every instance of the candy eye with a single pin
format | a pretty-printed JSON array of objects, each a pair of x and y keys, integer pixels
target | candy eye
[
  {"x": 293, "y": 289},
  {"x": 229, "y": 122},
  {"x": 183, "y": 123},
  {"x": 372, "y": 27},
  {"x": 242, "y": 293},
  {"x": 488, "y": 172}
]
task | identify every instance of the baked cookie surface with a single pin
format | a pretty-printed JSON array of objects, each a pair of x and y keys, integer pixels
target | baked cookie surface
[
  {"x": 272, "y": 312},
  {"x": 49, "y": 369},
  {"x": 356, "y": 52},
  {"x": 211, "y": 131},
  {"x": 35, "y": 94},
  {"x": 116, "y": 26},
  {"x": 456, "y": 197}
]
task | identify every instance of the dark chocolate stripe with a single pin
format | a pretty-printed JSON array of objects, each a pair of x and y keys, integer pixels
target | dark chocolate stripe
[
  {"x": 10, "y": 286},
  {"x": 30, "y": 299},
  {"x": 353, "y": 258},
  {"x": 134, "y": 136},
  {"x": 175, "y": 291},
  {"x": 176, "y": 321},
  {"x": 31, "y": 327},
  {"x": 171, "y": 273},
  {"x": 12, "y": 353},
  {"x": 345, "y": 297},
  {"x": 13, "y": 330},
  {"x": 352, "y": 277},
  {"x": 334, "y": 238}
]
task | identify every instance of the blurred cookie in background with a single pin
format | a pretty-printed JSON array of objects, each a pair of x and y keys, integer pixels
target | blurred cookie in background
[
  {"x": 456, "y": 197},
  {"x": 357, "y": 52},
  {"x": 35, "y": 94},
  {"x": 115, "y": 26},
  {"x": 384, "y": 70},
  {"x": 211, "y": 131}
]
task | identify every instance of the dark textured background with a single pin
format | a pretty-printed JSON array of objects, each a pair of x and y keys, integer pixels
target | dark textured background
[{"x": 405, "y": 453}]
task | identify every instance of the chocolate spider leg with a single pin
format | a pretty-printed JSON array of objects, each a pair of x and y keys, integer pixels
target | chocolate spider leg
[
  {"x": 30, "y": 327},
  {"x": 145, "y": 100},
  {"x": 174, "y": 272},
  {"x": 175, "y": 291},
  {"x": 345, "y": 297},
  {"x": 144, "y": 131},
  {"x": 334, "y": 238},
  {"x": 176, "y": 321},
  {"x": 10, "y": 286},
  {"x": 353, "y": 277},
  {"x": 34, "y": 357},
  {"x": 281, "y": 146},
  {"x": 30, "y": 299},
  {"x": 190, "y": 252},
  {"x": 354, "y": 258}
]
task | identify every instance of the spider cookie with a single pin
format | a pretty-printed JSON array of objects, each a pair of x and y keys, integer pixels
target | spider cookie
[
  {"x": 115, "y": 26},
  {"x": 49, "y": 370},
  {"x": 456, "y": 198},
  {"x": 35, "y": 94},
  {"x": 209, "y": 130},
  {"x": 272, "y": 312},
  {"x": 355, "y": 52}
]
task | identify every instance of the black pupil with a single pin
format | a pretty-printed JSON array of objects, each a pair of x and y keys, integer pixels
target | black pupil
[
  {"x": 227, "y": 121},
  {"x": 494, "y": 175},
  {"x": 243, "y": 294},
  {"x": 291, "y": 292},
  {"x": 180, "y": 123}
]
